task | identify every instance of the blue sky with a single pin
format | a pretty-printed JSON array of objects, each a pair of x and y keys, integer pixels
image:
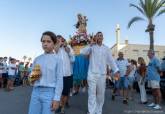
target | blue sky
[{"x": 23, "y": 21}]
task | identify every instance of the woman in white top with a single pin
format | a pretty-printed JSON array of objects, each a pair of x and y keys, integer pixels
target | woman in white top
[{"x": 140, "y": 77}]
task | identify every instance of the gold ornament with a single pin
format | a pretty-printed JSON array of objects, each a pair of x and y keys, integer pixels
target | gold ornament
[{"x": 36, "y": 74}]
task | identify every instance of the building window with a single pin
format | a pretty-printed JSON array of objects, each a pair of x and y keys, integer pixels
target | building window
[
  {"x": 135, "y": 50},
  {"x": 145, "y": 50}
]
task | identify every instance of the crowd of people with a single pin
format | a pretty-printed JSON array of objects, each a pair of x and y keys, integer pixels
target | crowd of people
[
  {"x": 13, "y": 73},
  {"x": 132, "y": 71},
  {"x": 51, "y": 91}
]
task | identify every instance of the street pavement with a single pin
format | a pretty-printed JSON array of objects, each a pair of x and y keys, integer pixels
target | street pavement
[{"x": 17, "y": 102}]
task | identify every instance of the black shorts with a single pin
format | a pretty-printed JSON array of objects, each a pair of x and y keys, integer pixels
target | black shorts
[
  {"x": 71, "y": 81},
  {"x": 4, "y": 75},
  {"x": 66, "y": 85}
]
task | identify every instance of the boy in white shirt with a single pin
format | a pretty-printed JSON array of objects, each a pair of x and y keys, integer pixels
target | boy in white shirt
[{"x": 47, "y": 88}]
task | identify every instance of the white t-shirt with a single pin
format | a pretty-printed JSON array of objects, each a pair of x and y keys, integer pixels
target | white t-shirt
[
  {"x": 133, "y": 69},
  {"x": 67, "y": 60},
  {"x": 122, "y": 65},
  {"x": 100, "y": 57},
  {"x": 11, "y": 71}
]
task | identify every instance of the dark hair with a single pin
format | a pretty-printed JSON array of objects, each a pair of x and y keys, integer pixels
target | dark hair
[
  {"x": 163, "y": 58},
  {"x": 59, "y": 36},
  {"x": 11, "y": 59},
  {"x": 5, "y": 57},
  {"x": 134, "y": 62},
  {"x": 142, "y": 69},
  {"x": 52, "y": 36},
  {"x": 26, "y": 66},
  {"x": 99, "y": 32}
]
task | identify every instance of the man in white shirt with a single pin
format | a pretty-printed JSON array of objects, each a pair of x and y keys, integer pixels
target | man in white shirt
[
  {"x": 99, "y": 57},
  {"x": 123, "y": 82},
  {"x": 66, "y": 53}
]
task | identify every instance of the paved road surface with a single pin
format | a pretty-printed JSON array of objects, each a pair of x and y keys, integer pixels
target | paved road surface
[{"x": 17, "y": 101}]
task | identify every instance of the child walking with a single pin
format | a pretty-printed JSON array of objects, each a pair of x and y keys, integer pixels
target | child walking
[{"x": 48, "y": 87}]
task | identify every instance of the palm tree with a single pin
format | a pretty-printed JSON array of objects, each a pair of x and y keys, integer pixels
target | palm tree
[
  {"x": 24, "y": 58},
  {"x": 150, "y": 9},
  {"x": 29, "y": 59}
]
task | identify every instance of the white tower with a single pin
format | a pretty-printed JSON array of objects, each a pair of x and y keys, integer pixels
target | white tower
[{"x": 118, "y": 37}]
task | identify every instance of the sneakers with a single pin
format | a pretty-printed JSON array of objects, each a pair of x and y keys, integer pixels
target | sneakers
[
  {"x": 151, "y": 105},
  {"x": 145, "y": 102},
  {"x": 76, "y": 93},
  {"x": 125, "y": 101},
  {"x": 157, "y": 107},
  {"x": 58, "y": 110},
  {"x": 88, "y": 112},
  {"x": 113, "y": 97},
  {"x": 70, "y": 94},
  {"x": 67, "y": 105},
  {"x": 62, "y": 111}
]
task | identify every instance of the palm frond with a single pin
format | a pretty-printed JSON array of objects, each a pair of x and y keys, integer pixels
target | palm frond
[
  {"x": 149, "y": 8},
  {"x": 160, "y": 4},
  {"x": 133, "y": 20},
  {"x": 154, "y": 7},
  {"x": 138, "y": 8},
  {"x": 161, "y": 12},
  {"x": 141, "y": 4}
]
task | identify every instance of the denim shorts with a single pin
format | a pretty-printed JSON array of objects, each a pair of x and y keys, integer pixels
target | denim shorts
[
  {"x": 11, "y": 77},
  {"x": 123, "y": 82},
  {"x": 131, "y": 81}
]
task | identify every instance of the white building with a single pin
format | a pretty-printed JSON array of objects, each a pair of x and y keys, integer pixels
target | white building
[{"x": 133, "y": 51}]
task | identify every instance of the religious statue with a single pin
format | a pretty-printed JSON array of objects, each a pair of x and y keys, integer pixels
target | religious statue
[{"x": 82, "y": 23}]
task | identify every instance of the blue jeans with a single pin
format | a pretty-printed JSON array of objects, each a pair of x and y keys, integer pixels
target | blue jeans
[{"x": 41, "y": 100}]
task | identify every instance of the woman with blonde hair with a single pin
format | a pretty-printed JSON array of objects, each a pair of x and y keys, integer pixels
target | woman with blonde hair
[{"x": 140, "y": 77}]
